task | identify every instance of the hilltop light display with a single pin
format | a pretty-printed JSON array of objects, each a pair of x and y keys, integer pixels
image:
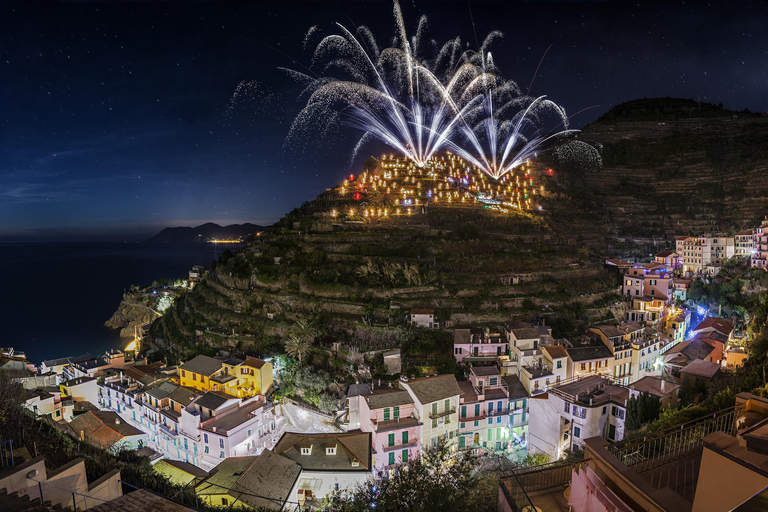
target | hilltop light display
[
  {"x": 421, "y": 105},
  {"x": 401, "y": 188}
]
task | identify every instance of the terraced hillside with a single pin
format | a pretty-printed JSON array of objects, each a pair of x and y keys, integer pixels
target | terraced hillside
[{"x": 672, "y": 167}]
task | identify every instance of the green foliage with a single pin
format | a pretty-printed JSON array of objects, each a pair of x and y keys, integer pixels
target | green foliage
[
  {"x": 435, "y": 481},
  {"x": 536, "y": 459},
  {"x": 642, "y": 409},
  {"x": 327, "y": 403}
]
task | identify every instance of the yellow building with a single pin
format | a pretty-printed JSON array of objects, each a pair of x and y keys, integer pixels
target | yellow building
[
  {"x": 233, "y": 376},
  {"x": 180, "y": 472}
]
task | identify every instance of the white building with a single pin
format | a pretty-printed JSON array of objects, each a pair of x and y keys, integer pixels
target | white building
[
  {"x": 566, "y": 415},
  {"x": 329, "y": 463},
  {"x": 424, "y": 318},
  {"x": 436, "y": 404}
]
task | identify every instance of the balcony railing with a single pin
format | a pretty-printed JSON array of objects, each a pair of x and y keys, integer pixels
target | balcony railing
[
  {"x": 168, "y": 431},
  {"x": 433, "y": 415},
  {"x": 648, "y": 452},
  {"x": 410, "y": 444}
]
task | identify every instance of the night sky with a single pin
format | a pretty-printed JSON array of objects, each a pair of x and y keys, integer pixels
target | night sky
[{"x": 117, "y": 118}]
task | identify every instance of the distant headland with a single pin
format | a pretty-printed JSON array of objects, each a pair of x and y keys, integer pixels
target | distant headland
[{"x": 206, "y": 233}]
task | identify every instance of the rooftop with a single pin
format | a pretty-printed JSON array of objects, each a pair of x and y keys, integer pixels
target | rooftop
[
  {"x": 388, "y": 398},
  {"x": 609, "y": 331},
  {"x": 422, "y": 311},
  {"x": 701, "y": 368},
  {"x": 231, "y": 420},
  {"x": 350, "y": 446},
  {"x": 202, "y": 365},
  {"x": 578, "y": 354},
  {"x": 254, "y": 362},
  {"x": 140, "y": 501},
  {"x": 484, "y": 371},
  {"x": 654, "y": 386},
  {"x": 516, "y": 388},
  {"x": 271, "y": 477},
  {"x": 526, "y": 333},
  {"x": 721, "y": 325},
  {"x": 592, "y": 387},
  {"x": 432, "y": 389},
  {"x": 185, "y": 467},
  {"x": 556, "y": 351},
  {"x": 214, "y": 399}
]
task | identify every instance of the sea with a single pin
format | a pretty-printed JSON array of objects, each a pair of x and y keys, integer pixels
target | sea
[{"x": 56, "y": 296}]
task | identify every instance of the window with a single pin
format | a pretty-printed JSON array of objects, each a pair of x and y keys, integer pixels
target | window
[
  {"x": 386, "y": 414},
  {"x": 448, "y": 404},
  {"x": 576, "y": 432},
  {"x": 207, "y": 450},
  {"x": 221, "y": 454},
  {"x": 397, "y": 412},
  {"x": 463, "y": 411},
  {"x": 205, "y": 438},
  {"x": 391, "y": 458},
  {"x": 249, "y": 432},
  {"x": 567, "y": 407},
  {"x": 224, "y": 502},
  {"x": 221, "y": 442},
  {"x": 183, "y": 374},
  {"x": 463, "y": 425},
  {"x": 477, "y": 423},
  {"x": 405, "y": 437},
  {"x": 559, "y": 364},
  {"x": 404, "y": 456},
  {"x": 490, "y": 421},
  {"x": 621, "y": 414},
  {"x": 434, "y": 409},
  {"x": 336, "y": 487},
  {"x": 194, "y": 376},
  {"x": 477, "y": 409},
  {"x": 494, "y": 381},
  {"x": 457, "y": 351},
  {"x": 391, "y": 440},
  {"x": 434, "y": 423},
  {"x": 447, "y": 420},
  {"x": 583, "y": 366},
  {"x": 306, "y": 450},
  {"x": 498, "y": 419},
  {"x": 604, "y": 407}
]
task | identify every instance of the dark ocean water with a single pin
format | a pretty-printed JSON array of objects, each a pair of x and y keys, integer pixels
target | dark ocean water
[{"x": 55, "y": 297}]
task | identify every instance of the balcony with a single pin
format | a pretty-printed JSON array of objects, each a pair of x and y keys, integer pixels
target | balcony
[
  {"x": 381, "y": 426},
  {"x": 168, "y": 431},
  {"x": 410, "y": 444},
  {"x": 435, "y": 415},
  {"x": 222, "y": 379}
]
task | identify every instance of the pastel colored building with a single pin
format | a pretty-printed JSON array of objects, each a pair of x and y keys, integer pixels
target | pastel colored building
[
  {"x": 436, "y": 401},
  {"x": 423, "y": 317},
  {"x": 484, "y": 410},
  {"x": 241, "y": 378},
  {"x": 389, "y": 415},
  {"x": 478, "y": 345},
  {"x": 760, "y": 246}
]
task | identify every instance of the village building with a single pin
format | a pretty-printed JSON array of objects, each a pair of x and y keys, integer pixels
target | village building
[
  {"x": 389, "y": 415},
  {"x": 665, "y": 391},
  {"x": 566, "y": 415},
  {"x": 329, "y": 463},
  {"x": 436, "y": 401},
  {"x": 471, "y": 345},
  {"x": 423, "y": 317},
  {"x": 484, "y": 414},
  {"x": 760, "y": 246}
]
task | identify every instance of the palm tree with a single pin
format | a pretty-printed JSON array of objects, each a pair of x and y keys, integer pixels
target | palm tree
[
  {"x": 298, "y": 346},
  {"x": 304, "y": 329}
]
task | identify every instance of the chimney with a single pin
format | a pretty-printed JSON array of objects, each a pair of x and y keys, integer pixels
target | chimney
[
  {"x": 117, "y": 421},
  {"x": 214, "y": 428},
  {"x": 662, "y": 385}
]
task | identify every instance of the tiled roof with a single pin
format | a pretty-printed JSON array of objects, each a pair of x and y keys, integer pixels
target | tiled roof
[
  {"x": 665, "y": 254},
  {"x": 270, "y": 476},
  {"x": 253, "y": 362},
  {"x": 225, "y": 475},
  {"x": 186, "y": 467},
  {"x": 610, "y": 331},
  {"x": 184, "y": 395},
  {"x": 527, "y": 333},
  {"x": 231, "y": 420},
  {"x": 140, "y": 501},
  {"x": 358, "y": 389},
  {"x": 721, "y": 325},
  {"x": 202, "y": 365},
  {"x": 701, "y": 368},
  {"x": 483, "y": 371},
  {"x": 388, "y": 398},
  {"x": 462, "y": 336},
  {"x": 162, "y": 391},
  {"x": 468, "y": 392},
  {"x": 653, "y": 386},
  {"x": 556, "y": 351},
  {"x": 213, "y": 399},
  {"x": 422, "y": 311},
  {"x": 349, "y": 446},
  {"x": 589, "y": 353},
  {"x": 432, "y": 389}
]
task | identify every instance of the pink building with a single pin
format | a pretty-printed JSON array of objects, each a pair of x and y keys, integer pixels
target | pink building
[
  {"x": 478, "y": 345},
  {"x": 760, "y": 246},
  {"x": 389, "y": 415},
  {"x": 642, "y": 282}
]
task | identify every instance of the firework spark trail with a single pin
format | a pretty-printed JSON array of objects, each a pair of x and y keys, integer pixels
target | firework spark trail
[{"x": 419, "y": 106}]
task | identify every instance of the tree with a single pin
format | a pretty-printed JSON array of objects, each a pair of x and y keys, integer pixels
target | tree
[
  {"x": 435, "y": 481},
  {"x": 298, "y": 346},
  {"x": 642, "y": 409},
  {"x": 469, "y": 231},
  {"x": 304, "y": 329},
  {"x": 327, "y": 403}
]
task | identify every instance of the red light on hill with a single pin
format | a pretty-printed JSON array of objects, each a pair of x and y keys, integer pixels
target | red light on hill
[
  {"x": 351, "y": 177},
  {"x": 550, "y": 172},
  {"x": 357, "y": 196}
]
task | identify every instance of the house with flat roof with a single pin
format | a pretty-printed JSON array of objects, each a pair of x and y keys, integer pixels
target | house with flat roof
[
  {"x": 589, "y": 360},
  {"x": 664, "y": 390},
  {"x": 484, "y": 410},
  {"x": 474, "y": 345}
]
